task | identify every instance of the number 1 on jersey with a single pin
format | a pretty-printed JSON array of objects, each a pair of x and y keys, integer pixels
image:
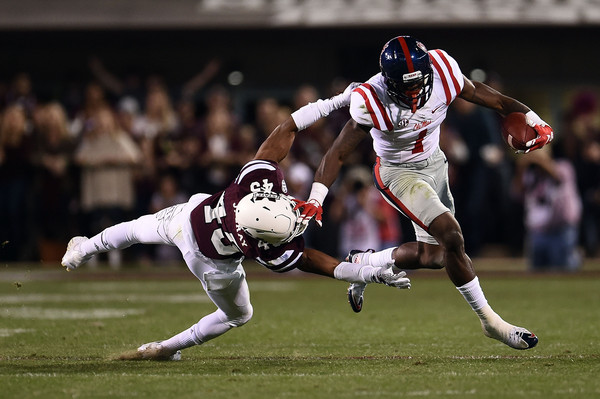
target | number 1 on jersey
[{"x": 419, "y": 144}]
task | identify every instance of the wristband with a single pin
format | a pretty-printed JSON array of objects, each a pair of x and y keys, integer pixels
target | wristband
[
  {"x": 533, "y": 117},
  {"x": 318, "y": 192}
]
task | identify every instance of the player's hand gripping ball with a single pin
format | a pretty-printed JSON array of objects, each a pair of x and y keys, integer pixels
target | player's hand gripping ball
[{"x": 516, "y": 132}]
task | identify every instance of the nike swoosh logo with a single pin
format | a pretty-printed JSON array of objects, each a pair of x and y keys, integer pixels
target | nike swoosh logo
[{"x": 436, "y": 108}]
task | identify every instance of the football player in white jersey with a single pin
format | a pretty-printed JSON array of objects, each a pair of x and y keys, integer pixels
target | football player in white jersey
[
  {"x": 252, "y": 218},
  {"x": 401, "y": 108}
]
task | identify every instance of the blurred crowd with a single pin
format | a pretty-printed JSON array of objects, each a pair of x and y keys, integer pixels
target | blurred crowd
[{"x": 117, "y": 148}]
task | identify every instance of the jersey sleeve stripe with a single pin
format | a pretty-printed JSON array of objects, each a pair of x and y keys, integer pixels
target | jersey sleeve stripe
[
  {"x": 374, "y": 118},
  {"x": 443, "y": 78},
  {"x": 251, "y": 167},
  {"x": 391, "y": 198},
  {"x": 386, "y": 118},
  {"x": 290, "y": 265},
  {"x": 279, "y": 265},
  {"x": 450, "y": 70},
  {"x": 371, "y": 98}
]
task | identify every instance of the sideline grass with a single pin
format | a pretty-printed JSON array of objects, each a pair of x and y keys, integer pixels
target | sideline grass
[{"x": 57, "y": 340}]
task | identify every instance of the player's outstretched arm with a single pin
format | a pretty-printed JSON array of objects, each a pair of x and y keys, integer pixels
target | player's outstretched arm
[
  {"x": 278, "y": 144},
  {"x": 482, "y": 94},
  {"x": 317, "y": 262}
]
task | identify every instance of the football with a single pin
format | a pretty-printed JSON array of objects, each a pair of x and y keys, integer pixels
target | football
[{"x": 516, "y": 132}]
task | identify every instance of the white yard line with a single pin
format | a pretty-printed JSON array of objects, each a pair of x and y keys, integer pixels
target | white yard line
[
  {"x": 24, "y": 312},
  {"x": 112, "y": 297},
  {"x": 7, "y": 332}
]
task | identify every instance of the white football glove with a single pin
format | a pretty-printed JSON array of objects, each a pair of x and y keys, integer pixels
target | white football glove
[
  {"x": 386, "y": 276},
  {"x": 345, "y": 96},
  {"x": 544, "y": 131}
]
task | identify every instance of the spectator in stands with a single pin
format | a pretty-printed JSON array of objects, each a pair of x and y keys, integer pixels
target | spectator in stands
[
  {"x": 16, "y": 171},
  {"x": 266, "y": 116},
  {"x": 168, "y": 194},
  {"x": 359, "y": 226},
  {"x": 552, "y": 210},
  {"x": 314, "y": 142},
  {"x": 581, "y": 141},
  {"x": 107, "y": 157},
  {"x": 159, "y": 118},
  {"x": 94, "y": 101},
  {"x": 129, "y": 86},
  {"x": 483, "y": 173},
  {"x": 183, "y": 158},
  {"x": 220, "y": 127},
  {"x": 154, "y": 131},
  {"x": 21, "y": 93},
  {"x": 55, "y": 188}
]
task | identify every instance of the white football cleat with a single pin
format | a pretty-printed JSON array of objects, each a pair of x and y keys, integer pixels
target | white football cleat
[
  {"x": 356, "y": 296},
  {"x": 513, "y": 336},
  {"x": 495, "y": 327},
  {"x": 356, "y": 291},
  {"x": 152, "y": 351},
  {"x": 73, "y": 258}
]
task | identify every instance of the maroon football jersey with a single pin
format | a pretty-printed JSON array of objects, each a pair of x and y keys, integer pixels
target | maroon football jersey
[{"x": 217, "y": 235}]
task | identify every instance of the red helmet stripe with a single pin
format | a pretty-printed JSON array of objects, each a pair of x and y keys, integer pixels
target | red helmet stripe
[{"x": 409, "y": 62}]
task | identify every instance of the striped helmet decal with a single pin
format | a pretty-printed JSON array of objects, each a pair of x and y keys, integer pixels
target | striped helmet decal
[{"x": 409, "y": 62}]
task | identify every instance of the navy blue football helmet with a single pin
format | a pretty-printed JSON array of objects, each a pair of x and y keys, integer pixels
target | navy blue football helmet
[{"x": 406, "y": 68}]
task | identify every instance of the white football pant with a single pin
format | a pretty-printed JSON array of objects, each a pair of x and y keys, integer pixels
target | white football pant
[{"x": 223, "y": 280}]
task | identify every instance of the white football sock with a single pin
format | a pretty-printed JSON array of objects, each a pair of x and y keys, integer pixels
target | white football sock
[
  {"x": 180, "y": 341},
  {"x": 209, "y": 327},
  {"x": 493, "y": 325},
  {"x": 355, "y": 272},
  {"x": 473, "y": 294},
  {"x": 123, "y": 235},
  {"x": 378, "y": 259},
  {"x": 114, "y": 237}
]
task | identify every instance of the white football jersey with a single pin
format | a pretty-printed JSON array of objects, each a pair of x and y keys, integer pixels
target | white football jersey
[{"x": 399, "y": 136}]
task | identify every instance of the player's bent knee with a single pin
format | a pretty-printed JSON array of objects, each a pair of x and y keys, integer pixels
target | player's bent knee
[
  {"x": 453, "y": 241},
  {"x": 243, "y": 317}
]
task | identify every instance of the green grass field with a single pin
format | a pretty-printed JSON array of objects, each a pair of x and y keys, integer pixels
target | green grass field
[{"x": 58, "y": 337}]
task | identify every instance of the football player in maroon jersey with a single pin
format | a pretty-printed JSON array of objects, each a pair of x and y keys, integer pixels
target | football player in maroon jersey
[
  {"x": 252, "y": 218},
  {"x": 402, "y": 108}
]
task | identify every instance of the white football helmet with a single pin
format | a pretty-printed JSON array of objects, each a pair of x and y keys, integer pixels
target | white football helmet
[{"x": 269, "y": 217}]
